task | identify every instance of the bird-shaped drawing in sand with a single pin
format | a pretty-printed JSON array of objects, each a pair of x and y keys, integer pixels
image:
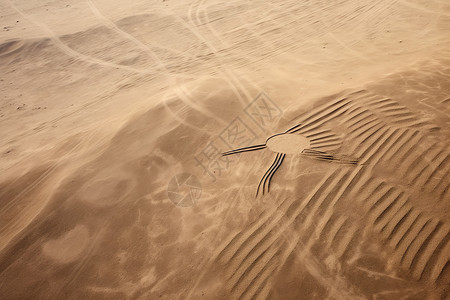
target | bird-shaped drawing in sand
[{"x": 297, "y": 140}]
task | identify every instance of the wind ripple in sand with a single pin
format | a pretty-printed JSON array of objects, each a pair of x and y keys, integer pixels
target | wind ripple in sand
[{"x": 396, "y": 195}]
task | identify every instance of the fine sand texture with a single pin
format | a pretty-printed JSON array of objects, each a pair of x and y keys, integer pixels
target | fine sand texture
[{"x": 210, "y": 149}]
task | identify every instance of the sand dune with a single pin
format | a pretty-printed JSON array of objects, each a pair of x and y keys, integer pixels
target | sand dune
[{"x": 333, "y": 118}]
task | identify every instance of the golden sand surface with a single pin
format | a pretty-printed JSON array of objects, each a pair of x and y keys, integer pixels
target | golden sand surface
[{"x": 333, "y": 118}]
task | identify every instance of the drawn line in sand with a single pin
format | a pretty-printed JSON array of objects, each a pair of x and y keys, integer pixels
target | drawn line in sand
[
  {"x": 290, "y": 143},
  {"x": 379, "y": 132}
]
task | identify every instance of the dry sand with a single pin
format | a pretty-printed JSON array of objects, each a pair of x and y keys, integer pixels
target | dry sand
[{"x": 103, "y": 102}]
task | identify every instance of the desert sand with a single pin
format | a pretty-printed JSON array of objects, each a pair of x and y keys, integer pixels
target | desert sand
[{"x": 333, "y": 120}]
